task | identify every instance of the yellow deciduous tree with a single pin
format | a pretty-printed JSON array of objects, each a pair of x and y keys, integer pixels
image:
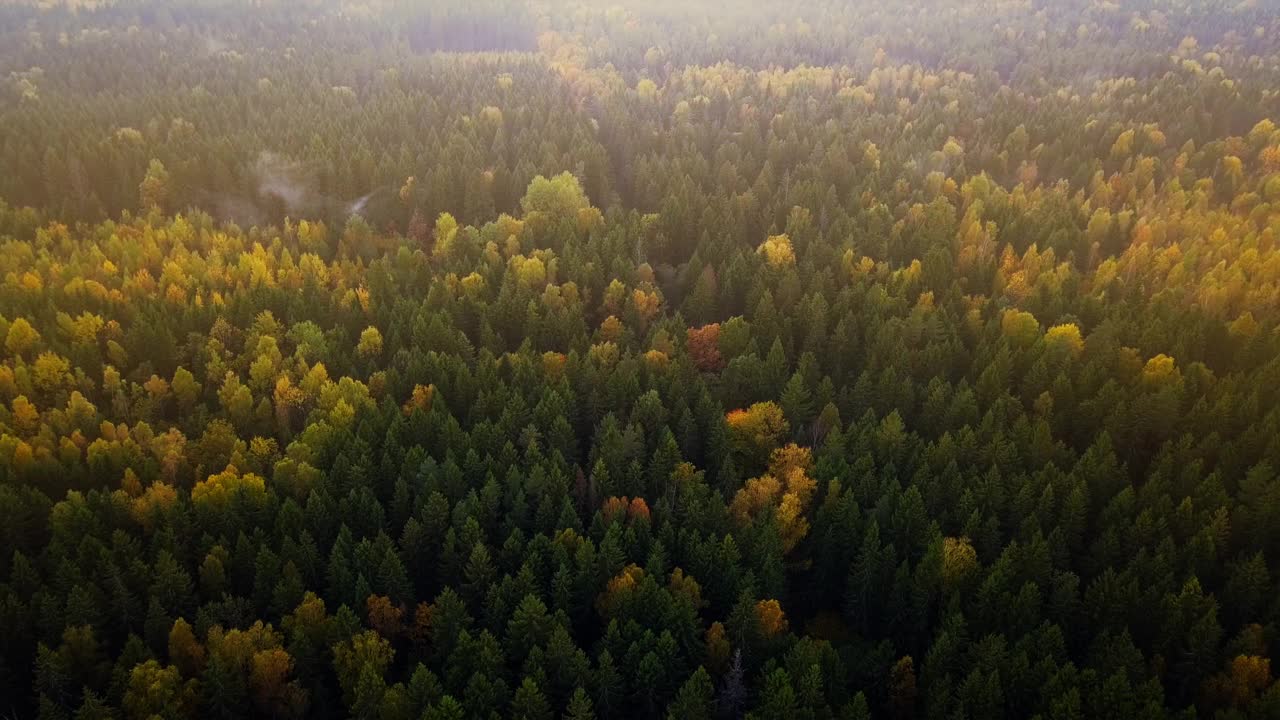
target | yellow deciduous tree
[
  {"x": 50, "y": 372},
  {"x": 22, "y": 338},
  {"x": 770, "y": 618},
  {"x": 619, "y": 589},
  {"x": 147, "y": 508},
  {"x": 757, "y": 430},
  {"x": 646, "y": 303},
  {"x": 273, "y": 693},
  {"x": 26, "y": 418},
  {"x": 958, "y": 560},
  {"x": 756, "y": 495},
  {"x": 219, "y": 490},
  {"x": 1064, "y": 339},
  {"x": 786, "y": 487},
  {"x": 1159, "y": 370},
  {"x": 446, "y": 235},
  {"x": 777, "y": 251},
  {"x": 532, "y": 272},
  {"x": 1020, "y": 327},
  {"x": 1243, "y": 679},
  {"x": 156, "y": 690},
  {"x": 370, "y": 344}
]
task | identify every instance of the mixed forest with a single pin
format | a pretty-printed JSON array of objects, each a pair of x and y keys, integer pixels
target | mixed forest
[{"x": 668, "y": 359}]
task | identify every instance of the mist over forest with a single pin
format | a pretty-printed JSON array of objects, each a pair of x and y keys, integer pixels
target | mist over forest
[{"x": 572, "y": 359}]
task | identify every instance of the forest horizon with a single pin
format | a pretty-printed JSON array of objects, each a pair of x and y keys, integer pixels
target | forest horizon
[{"x": 573, "y": 360}]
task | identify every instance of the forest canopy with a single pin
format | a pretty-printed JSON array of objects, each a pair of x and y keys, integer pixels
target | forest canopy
[{"x": 559, "y": 359}]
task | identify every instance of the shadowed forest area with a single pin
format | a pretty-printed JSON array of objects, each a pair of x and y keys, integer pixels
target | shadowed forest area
[{"x": 554, "y": 359}]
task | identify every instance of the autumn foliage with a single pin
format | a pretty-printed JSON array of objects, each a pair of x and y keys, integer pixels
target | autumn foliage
[
  {"x": 757, "y": 430},
  {"x": 564, "y": 359},
  {"x": 704, "y": 347},
  {"x": 625, "y": 509},
  {"x": 786, "y": 490}
]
